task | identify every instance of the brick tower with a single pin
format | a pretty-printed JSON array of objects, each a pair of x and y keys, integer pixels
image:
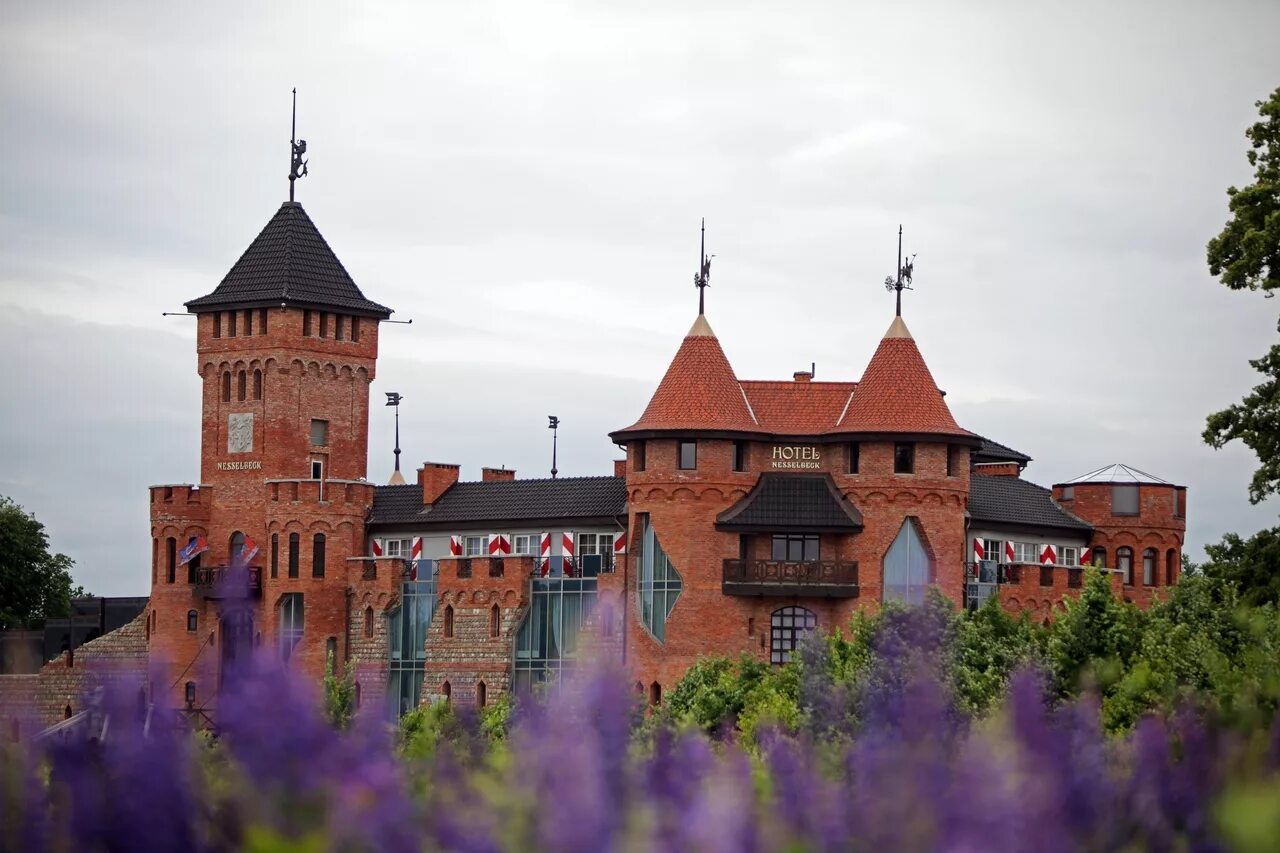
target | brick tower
[{"x": 286, "y": 347}]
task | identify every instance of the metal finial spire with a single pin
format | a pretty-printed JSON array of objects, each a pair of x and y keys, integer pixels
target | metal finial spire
[
  {"x": 702, "y": 278},
  {"x": 903, "y": 281},
  {"x": 553, "y": 425},
  {"x": 297, "y": 147},
  {"x": 393, "y": 399}
]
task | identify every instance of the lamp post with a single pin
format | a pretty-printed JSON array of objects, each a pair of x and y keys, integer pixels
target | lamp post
[
  {"x": 554, "y": 426},
  {"x": 393, "y": 400}
]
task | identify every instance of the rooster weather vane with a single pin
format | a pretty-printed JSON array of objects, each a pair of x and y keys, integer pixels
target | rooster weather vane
[
  {"x": 297, "y": 147},
  {"x": 702, "y": 278},
  {"x": 903, "y": 281}
]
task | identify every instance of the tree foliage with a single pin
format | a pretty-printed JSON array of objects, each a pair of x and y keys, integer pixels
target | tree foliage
[
  {"x": 1246, "y": 256},
  {"x": 35, "y": 584},
  {"x": 1252, "y": 565},
  {"x": 339, "y": 693}
]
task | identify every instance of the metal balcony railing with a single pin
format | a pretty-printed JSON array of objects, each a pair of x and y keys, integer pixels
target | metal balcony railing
[
  {"x": 229, "y": 581},
  {"x": 818, "y": 578}
]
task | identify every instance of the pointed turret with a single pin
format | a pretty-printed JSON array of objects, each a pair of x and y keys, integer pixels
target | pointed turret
[
  {"x": 698, "y": 392},
  {"x": 897, "y": 393},
  {"x": 289, "y": 263}
]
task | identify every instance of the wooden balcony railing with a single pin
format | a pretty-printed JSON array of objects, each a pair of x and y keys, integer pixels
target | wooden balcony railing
[
  {"x": 229, "y": 581},
  {"x": 817, "y": 578}
]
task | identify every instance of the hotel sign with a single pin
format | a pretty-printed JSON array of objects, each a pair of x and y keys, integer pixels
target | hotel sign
[
  {"x": 796, "y": 456},
  {"x": 246, "y": 465}
]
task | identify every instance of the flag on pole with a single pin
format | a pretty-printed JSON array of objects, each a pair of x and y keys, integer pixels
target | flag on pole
[
  {"x": 248, "y": 551},
  {"x": 198, "y": 545}
]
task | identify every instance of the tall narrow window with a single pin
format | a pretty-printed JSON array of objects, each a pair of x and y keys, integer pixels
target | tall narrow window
[
  {"x": 368, "y": 622},
  {"x": 317, "y": 469},
  {"x": 262, "y": 321},
  {"x": 688, "y": 455},
  {"x": 317, "y": 556},
  {"x": 904, "y": 458},
  {"x": 189, "y": 693},
  {"x": 739, "y": 455},
  {"x": 171, "y": 557},
  {"x": 331, "y": 652},
  {"x": 660, "y": 584},
  {"x": 217, "y": 324},
  {"x": 231, "y": 323},
  {"x": 446, "y": 692},
  {"x": 1170, "y": 566},
  {"x": 1124, "y": 562},
  {"x": 787, "y": 627},
  {"x": 637, "y": 461},
  {"x": 1098, "y": 556},
  {"x": 355, "y": 329},
  {"x": 951, "y": 461},
  {"x": 248, "y": 322},
  {"x": 907, "y": 569},
  {"x": 1149, "y": 567},
  {"x": 855, "y": 451},
  {"x": 193, "y": 568},
  {"x": 293, "y": 555},
  {"x": 292, "y": 623},
  {"x": 306, "y": 323},
  {"x": 237, "y": 546},
  {"x": 448, "y": 620},
  {"x": 241, "y": 381},
  {"x": 337, "y": 327},
  {"x": 324, "y": 324},
  {"x": 257, "y": 384},
  {"x": 481, "y": 698},
  {"x": 655, "y": 693},
  {"x": 495, "y": 621},
  {"x": 192, "y": 618},
  {"x": 275, "y": 555},
  {"x": 226, "y": 386}
]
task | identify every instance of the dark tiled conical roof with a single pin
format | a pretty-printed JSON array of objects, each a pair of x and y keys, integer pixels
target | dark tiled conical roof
[
  {"x": 289, "y": 263},
  {"x": 699, "y": 390}
]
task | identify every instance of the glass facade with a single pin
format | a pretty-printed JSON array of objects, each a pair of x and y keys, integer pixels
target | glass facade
[
  {"x": 660, "y": 583},
  {"x": 408, "y": 638},
  {"x": 906, "y": 567},
  {"x": 547, "y": 641}
]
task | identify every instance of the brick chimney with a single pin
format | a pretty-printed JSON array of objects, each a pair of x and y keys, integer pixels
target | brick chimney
[
  {"x": 435, "y": 479},
  {"x": 619, "y": 467},
  {"x": 497, "y": 475},
  {"x": 997, "y": 469},
  {"x": 802, "y": 376}
]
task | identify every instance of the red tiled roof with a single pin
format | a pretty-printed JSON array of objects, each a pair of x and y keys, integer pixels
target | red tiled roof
[
  {"x": 699, "y": 390},
  {"x": 797, "y": 408},
  {"x": 897, "y": 392}
]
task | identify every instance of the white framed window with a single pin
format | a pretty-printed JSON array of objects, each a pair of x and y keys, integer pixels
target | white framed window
[
  {"x": 474, "y": 546},
  {"x": 317, "y": 469},
  {"x": 396, "y": 547},
  {"x": 1025, "y": 552},
  {"x": 1068, "y": 555},
  {"x": 525, "y": 544},
  {"x": 994, "y": 549},
  {"x": 595, "y": 543}
]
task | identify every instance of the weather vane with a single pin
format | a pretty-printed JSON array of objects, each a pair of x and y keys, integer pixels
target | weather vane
[
  {"x": 298, "y": 147},
  {"x": 903, "y": 281},
  {"x": 702, "y": 278}
]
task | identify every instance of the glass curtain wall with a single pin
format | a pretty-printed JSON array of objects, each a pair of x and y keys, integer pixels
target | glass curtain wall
[
  {"x": 906, "y": 567},
  {"x": 408, "y": 638},
  {"x": 547, "y": 641},
  {"x": 660, "y": 584}
]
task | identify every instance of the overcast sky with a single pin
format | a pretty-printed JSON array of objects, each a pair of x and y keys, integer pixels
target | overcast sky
[{"x": 524, "y": 181}]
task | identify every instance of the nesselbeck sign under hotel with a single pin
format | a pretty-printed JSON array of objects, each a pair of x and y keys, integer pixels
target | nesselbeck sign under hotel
[{"x": 796, "y": 456}]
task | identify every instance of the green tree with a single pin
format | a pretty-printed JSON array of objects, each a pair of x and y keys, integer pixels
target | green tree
[
  {"x": 1246, "y": 256},
  {"x": 989, "y": 645},
  {"x": 339, "y": 693},
  {"x": 35, "y": 584},
  {"x": 1252, "y": 564},
  {"x": 1094, "y": 638}
]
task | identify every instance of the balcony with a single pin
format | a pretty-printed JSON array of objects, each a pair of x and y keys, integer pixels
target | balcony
[
  {"x": 219, "y": 582},
  {"x": 814, "y": 579}
]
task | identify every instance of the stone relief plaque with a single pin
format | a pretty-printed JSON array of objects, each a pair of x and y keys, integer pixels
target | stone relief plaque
[{"x": 240, "y": 433}]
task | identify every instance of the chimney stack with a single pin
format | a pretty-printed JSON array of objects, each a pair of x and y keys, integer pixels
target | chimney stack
[
  {"x": 435, "y": 479},
  {"x": 997, "y": 469},
  {"x": 802, "y": 376},
  {"x": 497, "y": 475},
  {"x": 620, "y": 468}
]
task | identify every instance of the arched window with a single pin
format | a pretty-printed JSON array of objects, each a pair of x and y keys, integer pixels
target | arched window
[
  {"x": 480, "y": 694},
  {"x": 1124, "y": 562},
  {"x": 660, "y": 583},
  {"x": 788, "y": 625},
  {"x": 257, "y": 384},
  {"x": 446, "y": 691},
  {"x": 66, "y": 712},
  {"x": 240, "y": 386},
  {"x": 226, "y": 386},
  {"x": 1149, "y": 567},
  {"x": 191, "y": 694},
  {"x": 275, "y": 554},
  {"x": 292, "y": 623},
  {"x": 906, "y": 567},
  {"x": 293, "y": 555},
  {"x": 1099, "y": 557},
  {"x": 495, "y": 621},
  {"x": 192, "y": 618},
  {"x": 368, "y": 621},
  {"x": 1170, "y": 566},
  {"x": 317, "y": 556},
  {"x": 237, "y": 546},
  {"x": 171, "y": 558},
  {"x": 655, "y": 693},
  {"x": 448, "y": 620}
]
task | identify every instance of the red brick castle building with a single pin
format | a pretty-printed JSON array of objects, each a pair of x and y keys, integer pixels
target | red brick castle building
[{"x": 745, "y": 514}]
